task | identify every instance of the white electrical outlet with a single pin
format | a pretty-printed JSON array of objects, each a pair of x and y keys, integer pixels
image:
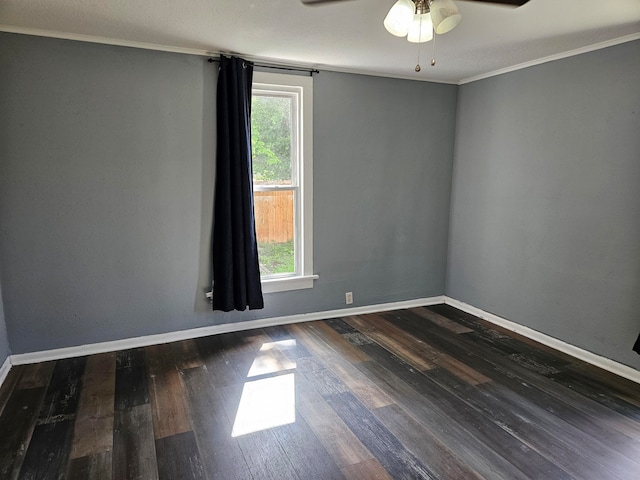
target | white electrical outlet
[{"x": 348, "y": 298}]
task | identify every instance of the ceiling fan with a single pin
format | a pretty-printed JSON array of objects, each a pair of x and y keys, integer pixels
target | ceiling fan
[{"x": 419, "y": 20}]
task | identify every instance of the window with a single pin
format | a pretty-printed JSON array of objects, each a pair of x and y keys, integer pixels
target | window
[{"x": 281, "y": 143}]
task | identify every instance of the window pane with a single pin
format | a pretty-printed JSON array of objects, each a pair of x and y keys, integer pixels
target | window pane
[
  {"x": 271, "y": 140},
  {"x": 275, "y": 231},
  {"x": 282, "y": 139}
]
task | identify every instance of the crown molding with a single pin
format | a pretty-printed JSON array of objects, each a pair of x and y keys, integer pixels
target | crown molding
[
  {"x": 207, "y": 53},
  {"x": 552, "y": 58}
]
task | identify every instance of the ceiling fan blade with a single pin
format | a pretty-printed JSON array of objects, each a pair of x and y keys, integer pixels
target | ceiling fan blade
[{"x": 514, "y": 3}]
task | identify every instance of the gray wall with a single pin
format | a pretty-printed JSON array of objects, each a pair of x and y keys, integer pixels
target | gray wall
[
  {"x": 382, "y": 186},
  {"x": 545, "y": 226},
  {"x": 106, "y": 174}
]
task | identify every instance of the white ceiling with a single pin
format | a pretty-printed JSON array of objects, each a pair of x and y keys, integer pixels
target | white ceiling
[{"x": 343, "y": 36}]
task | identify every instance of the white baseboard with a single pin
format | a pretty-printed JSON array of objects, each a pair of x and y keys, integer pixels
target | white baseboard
[
  {"x": 4, "y": 370},
  {"x": 589, "y": 357},
  {"x": 124, "y": 344}
]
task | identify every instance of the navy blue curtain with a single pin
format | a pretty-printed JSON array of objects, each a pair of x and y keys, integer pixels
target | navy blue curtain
[
  {"x": 236, "y": 273},
  {"x": 636, "y": 347}
]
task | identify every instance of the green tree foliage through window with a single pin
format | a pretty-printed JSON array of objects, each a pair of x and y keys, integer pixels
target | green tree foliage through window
[
  {"x": 271, "y": 139},
  {"x": 271, "y": 145},
  {"x": 281, "y": 144}
]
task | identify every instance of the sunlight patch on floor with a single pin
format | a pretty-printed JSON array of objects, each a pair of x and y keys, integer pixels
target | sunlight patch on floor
[
  {"x": 270, "y": 359},
  {"x": 267, "y": 402}
]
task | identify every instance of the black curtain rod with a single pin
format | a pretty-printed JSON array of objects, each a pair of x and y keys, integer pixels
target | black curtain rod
[{"x": 310, "y": 71}]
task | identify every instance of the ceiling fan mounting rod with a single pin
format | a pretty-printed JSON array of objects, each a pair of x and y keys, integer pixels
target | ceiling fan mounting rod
[{"x": 422, "y": 6}]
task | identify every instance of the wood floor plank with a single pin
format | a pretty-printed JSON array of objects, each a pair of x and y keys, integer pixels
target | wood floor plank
[
  {"x": 561, "y": 443},
  {"x": 186, "y": 354},
  {"x": 277, "y": 332},
  {"x": 307, "y": 455},
  {"x": 565, "y": 405},
  {"x": 166, "y": 393},
  {"x": 337, "y": 342},
  {"x": 270, "y": 359},
  {"x": 245, "y": 342},
  {"x": 92, "y": 435},
  {"x": 473, "y": 422},
  {"x": 98, "y": 386},
  {"x": 132, "y": 386},
  {"x": 593, "y": 390},
  {"x": 441, "y": 358},
  {"x": 621, "y": 387},
  {"x": 390, "y": 452},
  {"x": 242, "y": 349},
  {"x": 517, "y": 448},
  {"x": 48, "y": 452},
  {"x": 386, "y": 448},
  {"x": 293, "y": 351},
  {"x": 340, "y": 326},
  {"x": 263, "y": 452},
  {"x": 178, "y": 457},
  {"x": 16, "y": 424},
  {"x": 325, "y": 381},
  {"x": 521, "y": 353},
  {"x": 218, "y": 361},
  {"x": 338, "y": 440},
  {"x": 134, "y": 451},
  {"x": 319, "y": 343},
  {"x": 310, "y": 340},
  {"x": 364, "y": 389},
  {"x": 393, "y": 339},
  {"x": 36, "y": 374},
  {"x": 278, "y": 451},
  {"x": 130, "y": 358},
  {"x": 304, "y": 448},
  {"x": 221, "y": 454},
  {"x": 441, "y": 321},
  {"x": 488, "y": 329},
  {"x": 265, "y": 456},
  {"x": 584, "y": 413},
  {"x": 366, "y": 470},
  {"x": 428, "y": 392},
  {"x": 477, "y": 455},
  {"x": 436, "y": 357},
  {"x": 92, "y": 467},
  {"x": 352, "y": 335},
  {"x": 443, "y": 462},
  {"x": 93, "y": 431},
  {"x": 328, "y": 381},
  {"x": 316, "y": 342},
  {"x": 9, "y": 385},
  {"x": 63, "y": 392}
]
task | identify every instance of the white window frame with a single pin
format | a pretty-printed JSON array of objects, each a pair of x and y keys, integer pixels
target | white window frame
[{"x": 300, "y": 89}]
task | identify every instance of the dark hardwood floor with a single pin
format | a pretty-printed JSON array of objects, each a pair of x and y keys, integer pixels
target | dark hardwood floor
[{"x": 429, "y": 393}]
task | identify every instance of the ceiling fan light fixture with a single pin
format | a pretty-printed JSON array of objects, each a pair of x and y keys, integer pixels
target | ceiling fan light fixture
[
  {"x": 399, "y": 19},
  {"x": 421, "y": 29},
  {"x": 445, "y": 15}
]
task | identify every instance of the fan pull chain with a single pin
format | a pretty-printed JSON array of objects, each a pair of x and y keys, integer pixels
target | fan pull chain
[
  {"x": 418, "y": 68},
  {"x": 433, "y": 51}
]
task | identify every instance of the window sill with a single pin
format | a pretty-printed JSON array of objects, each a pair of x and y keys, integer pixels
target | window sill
[{"x": 284, "y": 284}]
